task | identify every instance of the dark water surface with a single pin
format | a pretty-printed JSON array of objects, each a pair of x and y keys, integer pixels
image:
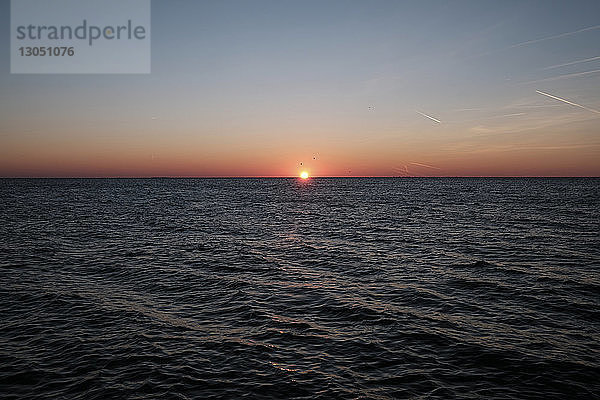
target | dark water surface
[{"x": 276, "y": 288}]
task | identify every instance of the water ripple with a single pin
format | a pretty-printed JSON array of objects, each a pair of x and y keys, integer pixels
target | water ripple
[{"x": 275, "y": 288}]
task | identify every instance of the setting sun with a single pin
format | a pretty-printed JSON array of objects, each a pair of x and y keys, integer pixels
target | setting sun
[{"x": 304, "y": 175}]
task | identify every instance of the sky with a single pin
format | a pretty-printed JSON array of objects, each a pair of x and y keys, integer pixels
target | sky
[{"x": 347, "y": 88}]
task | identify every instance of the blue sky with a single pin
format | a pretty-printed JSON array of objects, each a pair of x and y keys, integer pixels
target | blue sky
[{"x": 271, "y": 83}]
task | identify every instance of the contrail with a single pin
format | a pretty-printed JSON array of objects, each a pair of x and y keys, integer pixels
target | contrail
[
  {"x": 424, "y": 165},
  {"x": 470, "y": 109},
  {"x": 568, "y": 102},
  {"x": 572, "y": 63},
  {"x": 430, "y": 117},
  {"x": 511, "y": 115},
  {"x": 401, "y": 170},
  {"x": 590, "y": 28},
  {"x": 564, "y": 76}
]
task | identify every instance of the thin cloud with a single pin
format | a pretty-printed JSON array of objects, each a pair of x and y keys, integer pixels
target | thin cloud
[
  {"x": 572, "y": 63},
  {"x": 534, "y": 106},
  {"x": 424, "y": 165},
  {"x": 519, "y": 125},
  {"x": 568, "y": 102},
  {"x": 469, "y": 109},
  {"x": 403, "y": 171},
  {"x": 565, "y": 76},
  {"x": 528, "y": 42},
  {"x": 477, "y": 148},
  {"x": 511, "y": 115}
]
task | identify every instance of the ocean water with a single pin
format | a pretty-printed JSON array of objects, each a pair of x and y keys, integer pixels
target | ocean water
[{"x": 278, "y": 288}]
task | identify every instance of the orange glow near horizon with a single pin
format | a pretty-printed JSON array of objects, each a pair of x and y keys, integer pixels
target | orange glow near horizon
[
  {"x": 304, "y": 175},
  {"x": 70, "y": 155},
  {"x": 128, "y": 162}
]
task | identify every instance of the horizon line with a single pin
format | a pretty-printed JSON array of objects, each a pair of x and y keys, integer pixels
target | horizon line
[{"x": 296, "y": 177}]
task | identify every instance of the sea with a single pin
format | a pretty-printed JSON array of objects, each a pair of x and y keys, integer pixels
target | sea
[{"x": 325, "y": 288}]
